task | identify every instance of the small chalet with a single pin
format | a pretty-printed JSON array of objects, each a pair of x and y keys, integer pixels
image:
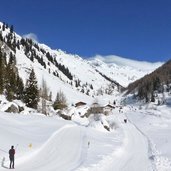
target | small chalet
[
  {"x": 108, "y": 108},
  {"x": 80, "y": 104}
]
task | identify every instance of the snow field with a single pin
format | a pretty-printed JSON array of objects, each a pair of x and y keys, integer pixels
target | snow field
[
  {"x": 56, "y": 144},
  {"x": 51, "y": 143}
]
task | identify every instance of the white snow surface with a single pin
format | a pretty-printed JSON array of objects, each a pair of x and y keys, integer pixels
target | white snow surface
[
  {"x": 50, "y": 143},
  {"x": 155, "y": 124}
]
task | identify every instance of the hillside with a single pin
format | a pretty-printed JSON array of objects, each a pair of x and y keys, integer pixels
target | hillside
[
  {"x": 67, "y": 72},
  {"x": 78, "y": 78},
  {"x": 152, "y": 84}
]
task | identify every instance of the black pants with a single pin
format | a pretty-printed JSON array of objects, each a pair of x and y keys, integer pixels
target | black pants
[{"x": 11, "y": 162}]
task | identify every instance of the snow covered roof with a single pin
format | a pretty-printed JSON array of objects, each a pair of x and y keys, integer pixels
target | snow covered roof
[{"x": 80, "y": 104}]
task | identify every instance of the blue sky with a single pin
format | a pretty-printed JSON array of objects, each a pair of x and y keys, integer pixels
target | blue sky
[{"x": 135, "y": 29}]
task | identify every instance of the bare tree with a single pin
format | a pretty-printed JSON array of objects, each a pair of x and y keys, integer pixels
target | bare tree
[
  {"x": 60, "y": 101},
  {"x": 44, "y": 96}
]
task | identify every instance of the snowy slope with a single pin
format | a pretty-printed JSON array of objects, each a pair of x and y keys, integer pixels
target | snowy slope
[
  {"x": 86, "y": 72},
  {"x": 53, "y": 83}
]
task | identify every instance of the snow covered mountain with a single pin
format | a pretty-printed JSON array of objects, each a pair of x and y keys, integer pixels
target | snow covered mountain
[
  {"x": 122, "y": 70},
  {"x": 78, "y": 78}
]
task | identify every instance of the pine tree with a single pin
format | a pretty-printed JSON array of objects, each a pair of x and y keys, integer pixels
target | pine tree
[
  {"x": 50, "y": 96},
  {"x": 3, "y": 27},
  {"x": 1, "y": 38},
  {"x": 11, "y": 29},
  {"x": 11, "y": 78},
  {"x": 18, "y": 44},
  {"x": 11, "y": 86},
  {"x": 2, "y": 72},
  {"x": 19, "y": 88},
  {"x": 31, "y": 93},
  {"x": 152, "y": 97},
  {"x": 91, "y": 86}
]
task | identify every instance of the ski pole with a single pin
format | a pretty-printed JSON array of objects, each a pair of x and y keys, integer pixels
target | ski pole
[{"x": 16, "y": 146}]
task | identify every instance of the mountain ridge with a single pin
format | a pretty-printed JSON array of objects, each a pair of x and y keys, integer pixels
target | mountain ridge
[{"x": 67, "y": 72}]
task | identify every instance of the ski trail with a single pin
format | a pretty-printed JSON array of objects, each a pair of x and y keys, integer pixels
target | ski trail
[
  {"x": 135, "y": 155},
  {"x": 159, "y": 163},
  {"x": 84, "y": 150},
  {"x": 62, "y": 151},
  {"x": 150, "y": 145},
  {"x": 132, "y": 155}
]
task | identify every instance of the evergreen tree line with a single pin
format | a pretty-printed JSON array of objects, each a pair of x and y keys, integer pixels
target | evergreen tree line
[
  {"x": 31, "y": 54},
  {"x": 29, "y": 51},
  {"x": 10, "y": 38},
  {"x": 153, "y": 83},
  {"x": 109, "y": 79},
  {"x": 6, "y": 26},
  {"x": 11, "y": 85}
]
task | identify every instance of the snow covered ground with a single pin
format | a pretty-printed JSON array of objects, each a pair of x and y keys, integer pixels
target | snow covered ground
[
  {"x": 156, "y": 127},
  {"x": 50, "y": 143}
]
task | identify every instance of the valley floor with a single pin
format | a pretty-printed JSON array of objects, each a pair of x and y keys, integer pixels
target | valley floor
[{"x": 50, "y": 143}]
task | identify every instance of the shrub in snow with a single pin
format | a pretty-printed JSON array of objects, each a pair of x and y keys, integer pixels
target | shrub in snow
[
  {"x": 94, "y": 110},
  {"x": 60, "y": 102},
  {"x": 106, "y": 127}
]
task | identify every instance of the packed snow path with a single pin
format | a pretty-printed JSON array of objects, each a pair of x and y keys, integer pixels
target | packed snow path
[{"x": 132, "y": 156}]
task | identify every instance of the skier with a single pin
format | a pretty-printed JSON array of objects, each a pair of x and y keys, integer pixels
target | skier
[
  {"x": 88, "y": 144},
  {"x": 11, "y": 157}
]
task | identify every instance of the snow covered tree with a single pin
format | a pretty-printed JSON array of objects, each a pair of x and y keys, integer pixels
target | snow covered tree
[{"x": 31, "y": 93}]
